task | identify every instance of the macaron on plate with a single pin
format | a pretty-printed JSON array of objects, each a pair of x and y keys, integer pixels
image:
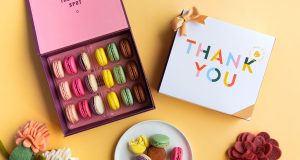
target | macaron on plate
[{"x": 145, "y": 128}]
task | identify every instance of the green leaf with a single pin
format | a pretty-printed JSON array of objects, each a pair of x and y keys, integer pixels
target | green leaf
[
  {"x": 3, "y": 150},
  {"x": 21, "y": 153},
  {"x": 39, "y": 157}
]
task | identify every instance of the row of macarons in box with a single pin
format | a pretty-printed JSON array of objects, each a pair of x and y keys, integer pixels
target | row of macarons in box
[
  {"x": 96, "y": 106},
  {"x": 69, "y": 62},
  {"x": 91, "y": 82}
]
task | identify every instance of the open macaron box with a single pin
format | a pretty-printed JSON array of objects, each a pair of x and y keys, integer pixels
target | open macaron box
[{"x": 70, "y": 27}]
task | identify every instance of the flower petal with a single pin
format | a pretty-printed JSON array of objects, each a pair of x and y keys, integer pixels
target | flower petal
[{"x": 275, "y": 154}]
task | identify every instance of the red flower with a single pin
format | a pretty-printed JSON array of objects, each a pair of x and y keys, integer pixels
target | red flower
[{"x": 251, "y": 147}]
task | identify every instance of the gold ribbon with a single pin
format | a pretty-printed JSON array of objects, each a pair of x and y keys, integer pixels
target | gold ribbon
[{"x": 179, "y": 22}]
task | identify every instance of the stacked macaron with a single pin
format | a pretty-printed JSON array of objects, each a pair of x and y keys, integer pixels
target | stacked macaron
[
  {"x": 153, "y": 148},
  {"x": 125, "y": 48},
  {"x": 113, "y": 53},
  {"x": 158, "y": 144},
  {"x": 111, "y": 73},
  {"x": 128, "y": 97},
  {"x": 70, "y": 67},
  {"x": 84, "y": 109},
  {"x": 84, "y": 62},
  {"x": 118, "y": 74}
]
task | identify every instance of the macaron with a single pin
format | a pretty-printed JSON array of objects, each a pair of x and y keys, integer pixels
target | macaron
[
  {"x": 107, "y": 78},
  {"x": 84, "y": 62},
  {"x": 132, "y": 70},
  {"x": 119, "y": 74},
  {"x": 138, "y": 145},
  {"x": 71, "y": 113},
  {"x": 77, "y": 87},
  {"x": 112, "y": 52},
  {"x": 97, "y": 105},
  {"x": 113, "y": 101},
  {"x": 84, "y": 110},
  {"x": 58, "y": 69},
  {"x": 159, "y": 140},
  {"x": 127, "y": 97},
  {"x": 101, "y": 57},
  {"x": 176, "y": 153},
  {"x": 139, "y": 93},
  {"x": 142, "y": 157},
  {"x": 91, "y": 83},
  {"x": 125, "y": 48},
  {"x": 65, "y": 90},
  {"x": 70, "y": 65},
  {"x": 157, "y": 153}
]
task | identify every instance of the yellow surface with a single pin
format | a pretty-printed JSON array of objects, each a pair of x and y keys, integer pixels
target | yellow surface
[{"x": 24, "y": 92}]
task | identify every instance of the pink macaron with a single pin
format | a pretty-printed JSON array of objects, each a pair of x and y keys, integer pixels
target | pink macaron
[
  {"x": 77, "y": 87},
  {"x": 176, "y": 153},
  {"x": 65, "y": 90},
  {"x": 84, "y": 109},
  {"x": 70, "y": 65},
  {"x": 58, "y": 69}
]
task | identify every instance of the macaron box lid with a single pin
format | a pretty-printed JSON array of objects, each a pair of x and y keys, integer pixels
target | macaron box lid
[{"x": 62, "y": 23}]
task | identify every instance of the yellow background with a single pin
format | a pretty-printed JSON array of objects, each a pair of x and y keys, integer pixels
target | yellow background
[{"x": 24, "y": 92}]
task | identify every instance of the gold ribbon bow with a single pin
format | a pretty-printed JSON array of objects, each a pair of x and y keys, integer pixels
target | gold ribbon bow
[{"x": 179, "y": 22}]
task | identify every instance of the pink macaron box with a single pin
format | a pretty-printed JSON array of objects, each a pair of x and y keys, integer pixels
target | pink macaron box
[{"x": 67, "y": 28}]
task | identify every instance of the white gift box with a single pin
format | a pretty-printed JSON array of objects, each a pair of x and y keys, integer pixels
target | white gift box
[{"x": 217, "y": 65}]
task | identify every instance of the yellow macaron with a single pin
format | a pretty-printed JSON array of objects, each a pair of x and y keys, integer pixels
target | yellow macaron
[
  {"x": 101, "y": 57},
  {"x": 138, "y": 145},
  {"x": 107, "y": 78},
  {"x": 113, "y": 101}
]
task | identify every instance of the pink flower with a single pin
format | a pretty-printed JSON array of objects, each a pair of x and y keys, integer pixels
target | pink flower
[
  {"x": 33, "y": 135},
  {"x": 251, "y": 147}
]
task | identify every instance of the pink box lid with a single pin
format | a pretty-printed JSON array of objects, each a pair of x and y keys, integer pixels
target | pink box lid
[{"x": 61, "y": 23}]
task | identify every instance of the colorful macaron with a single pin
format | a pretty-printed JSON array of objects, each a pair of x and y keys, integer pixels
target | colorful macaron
[
  {"x": 176, "y": 153},
  {"x": 138, "y": 145},
  {"x": 97, "y": 105},
  {"x": 157, "y": 153},
  {"x": 91, "y": 83},
  {"x": 113, "y": 101},
  {"x": 112, "y": 52},
  {"x": 84, "y": 110},
  {"x": 125, "y": 48},
  {"x": 58, "y": 69},
  {"x": 139, "y": 93},
  {"x": 77, "y": 87},
  {"x": 65, "y": 90},
  {"x": 127, "y": 97},
  {"x": 142, "y": 157},
  {"x": 132, "y": 71},
  {"x": 107, "y": 78},
  {"x": 159, "y": 140},
  {"x": 101, "y": 57},
  {"x": 71, "y": 113},
  {"x": 119, "y": 74},
  {"x": 84, "y": 62},
  {"x": 70, "y": 65}
]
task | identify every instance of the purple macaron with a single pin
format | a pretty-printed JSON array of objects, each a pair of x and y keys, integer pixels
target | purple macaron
[{"x": 142, "y": 157}]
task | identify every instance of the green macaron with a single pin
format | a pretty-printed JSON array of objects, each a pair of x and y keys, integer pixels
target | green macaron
[
  {"x": 127, "y": 96},
  {"x": 112, "y": 52},
  {"x": 119, "y": 74},
  {"x": 159, "y": 140}
]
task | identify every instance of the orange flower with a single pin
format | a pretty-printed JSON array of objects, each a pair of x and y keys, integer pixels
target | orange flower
[{"x": 33, "y": 135}]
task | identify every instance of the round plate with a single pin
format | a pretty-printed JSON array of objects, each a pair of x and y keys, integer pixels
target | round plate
[{"x": 149, "y": 128}]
